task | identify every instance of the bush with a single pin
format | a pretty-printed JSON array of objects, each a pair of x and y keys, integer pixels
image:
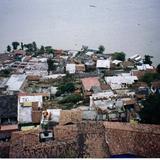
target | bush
[
  {"x": 68, "y": 87},
  {"x": 150, "y": 77},
  {"x": 71, "y": 99}
]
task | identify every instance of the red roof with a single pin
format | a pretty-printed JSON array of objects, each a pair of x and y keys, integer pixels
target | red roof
[{"x": 88, "y": 83}]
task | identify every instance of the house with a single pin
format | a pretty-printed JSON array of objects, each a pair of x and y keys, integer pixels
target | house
[
  {"x": 80, "y": 68},
  {"x": 8, "y": 116},
  {"x": 136, "y": 58},
  {"x": 15, "y": 83},
  {"x": 88, "y": 83},
  {"x": 103, "y": 64},
  {"x": 128, "y": 65},
  {"x": 29, "y": 108},
  {"x": 109, "y": 109},
  {"x": 117, "y": 82},
  {"x": 71, "y": 68},
  {"x": 144, "y": 67}
]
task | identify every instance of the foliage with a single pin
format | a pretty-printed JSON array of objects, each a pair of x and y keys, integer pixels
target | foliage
[
  {"x": 29, "y": 47},
  {"x": 51, "y": 65},
  {"x": 150, "y": 114},
  {"x": 49, "y": 49},
  {"x": 41, "y": 50},
  {"x": 71, "y": 99},
  {"x": 8, "y": 48},
  {"x": 150, "y": 77},
  {"x": 68, "y": 87},
  {"x": 119, "y": 56},
  {"x": 15, "y": 45},
  {"x": 101, "y": 49},
  {"x": 5, "y": 72},
  {"x": 158, "y": 68},
  {"x": 147, "y": 59},
  {"x": 22, "y": 46},
  {"x": 34, "y": 45},
  {"x": 84, "y": 49}
]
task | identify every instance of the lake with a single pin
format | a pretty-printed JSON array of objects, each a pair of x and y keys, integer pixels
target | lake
[{"x": 132, "y": 26}]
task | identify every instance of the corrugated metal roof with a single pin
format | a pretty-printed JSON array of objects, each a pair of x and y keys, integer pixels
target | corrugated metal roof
[{"x": 15, "y": 82}]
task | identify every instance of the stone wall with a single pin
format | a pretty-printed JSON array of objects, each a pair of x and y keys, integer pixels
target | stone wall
[{"x": 139, "y": 139}]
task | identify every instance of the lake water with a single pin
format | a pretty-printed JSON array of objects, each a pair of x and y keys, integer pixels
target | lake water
[{"x": 132, "y": 26}]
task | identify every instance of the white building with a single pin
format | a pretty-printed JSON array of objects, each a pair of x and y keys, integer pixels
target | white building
[
  {"x": 25, "y": 107},
  {"x": 105, "y": 63},
  {"x": 71, "y": 68},
  {"x": 118, "y": 82}
]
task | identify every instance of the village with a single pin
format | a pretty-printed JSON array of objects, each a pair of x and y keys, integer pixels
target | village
[{"x": 44, "y": 89}]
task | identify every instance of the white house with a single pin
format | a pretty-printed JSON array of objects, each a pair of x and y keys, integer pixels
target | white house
[
  {"x": 71, "y": 68},
  {"x": 105, "y": 63}
]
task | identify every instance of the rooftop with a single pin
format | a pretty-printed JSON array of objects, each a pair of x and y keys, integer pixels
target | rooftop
[{"x": 88, "y": 83}]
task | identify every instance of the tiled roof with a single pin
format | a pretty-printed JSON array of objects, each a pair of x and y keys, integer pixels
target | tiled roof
[{"x": 88, "y": 83}]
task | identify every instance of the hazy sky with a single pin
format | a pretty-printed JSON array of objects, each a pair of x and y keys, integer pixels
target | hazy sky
[{"x": 132, "y": 26}]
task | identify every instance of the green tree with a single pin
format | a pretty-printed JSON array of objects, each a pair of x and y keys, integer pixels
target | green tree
[
  {"x": 147, "y": 59},
  {"x": 101, "y": 49},
  {"x": 5, "y": 72},
  {"x": 51, "y": 65},
  {"x": 8, "y": 48},
  {"x": 49, "y": 49},
  {"x": 158, "y": 68},
  {"x": 34, "y": 46},
  {"x": 15, "y": 45},
  {"x": 150, "y": 114},
  {"x": 22, "y": 46},
  {"x": 68, "y": 87},
  {"x": 150, "y": 77},
  {"x": 29, "y": 47},
  {"x": 71, "y": 99},
  {"x": 119, "y": 56},
  {"x": 84, "y": 49},
  {"x": 41, "y": 50}
]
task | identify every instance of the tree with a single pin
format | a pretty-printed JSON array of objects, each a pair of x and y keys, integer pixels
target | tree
[
  {"x": 71, "y": 99},
  {"x": 8, "y": 48},
  {"x": 29, "y": 47},
  {"x": 119, "y": 56},
  {"x": 158, "y": 68},
  {"x": 41, "y": 50},
  {"x": 22, "y": 46},
  {"x": 150, "y": 77},
  {"x": 147, "y": 59},
  {"x": 150, "y": 114},
  {"x": 68, "y": 87},
  {"x": 34, "y": 46},
  {"x": 51, "y": 65},
  {"x": 49, "y": 49},
  {"x": 101, "y": 49},
  {"x": 15, "y": 45},
  {"x": 84, "y": 48}
]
